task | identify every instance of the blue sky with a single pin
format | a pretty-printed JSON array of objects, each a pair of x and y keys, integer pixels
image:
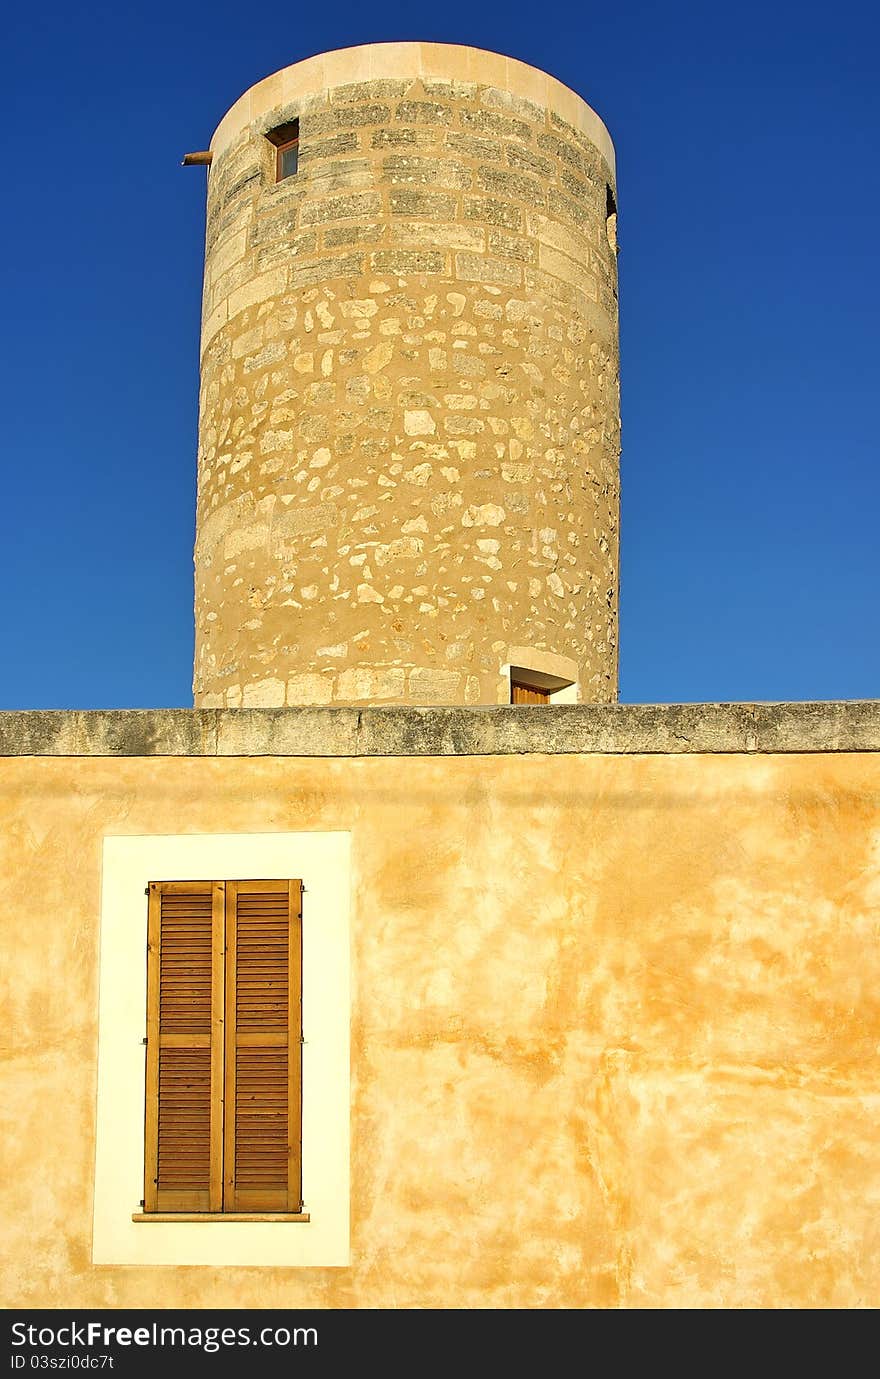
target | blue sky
[{"x": 749, "y": 199}]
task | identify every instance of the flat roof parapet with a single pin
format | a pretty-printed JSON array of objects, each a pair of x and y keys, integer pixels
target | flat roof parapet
[{"x": 562, "y": 729}]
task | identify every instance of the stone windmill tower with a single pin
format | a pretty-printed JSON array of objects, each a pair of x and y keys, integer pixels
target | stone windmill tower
[{"x": 409, "y": 434}]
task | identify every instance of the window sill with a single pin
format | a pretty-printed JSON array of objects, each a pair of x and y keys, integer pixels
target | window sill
[{"x": 179, "y": 1217}]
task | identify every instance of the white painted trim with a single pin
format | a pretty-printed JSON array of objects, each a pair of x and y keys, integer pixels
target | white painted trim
[
  {"x": 323, "y": 862},
  {"x": 566, "y": 694}
]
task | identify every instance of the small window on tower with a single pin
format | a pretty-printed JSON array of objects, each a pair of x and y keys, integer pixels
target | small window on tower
[
  {"x": 286, "y": 142},
  {"x": 611, "y": 219},
  {"x": 535, "y": 687}
]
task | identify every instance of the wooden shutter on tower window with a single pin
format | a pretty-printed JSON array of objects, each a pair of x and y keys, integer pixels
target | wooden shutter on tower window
[
  {"x": 262, "y": 1156},
  {"x": 527, "y": 694},
  {"x": 184, "y": 1066}
]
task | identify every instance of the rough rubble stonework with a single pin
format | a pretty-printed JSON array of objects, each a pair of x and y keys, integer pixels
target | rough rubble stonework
[{"x": 409, "y": 436}]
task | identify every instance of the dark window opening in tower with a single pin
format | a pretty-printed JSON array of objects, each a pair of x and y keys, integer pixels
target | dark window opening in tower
[
  {"x": 535, "y": 687},
  {"x": 611, "y": 218},
  {"x": 286, "y": 142}
]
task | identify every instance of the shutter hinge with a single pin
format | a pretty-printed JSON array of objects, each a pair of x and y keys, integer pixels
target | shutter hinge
[
  {"x": 146, "y": 890},
  {"x": 145, "y": 1041},
  {"x": 143, "y": 1203}
]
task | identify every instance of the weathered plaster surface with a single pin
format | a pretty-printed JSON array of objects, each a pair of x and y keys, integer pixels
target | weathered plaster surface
[
  {"x": 615, "y": 1024},
  {"x": 409, "y": 433}
]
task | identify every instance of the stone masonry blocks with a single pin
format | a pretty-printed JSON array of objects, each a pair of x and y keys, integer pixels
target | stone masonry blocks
[{"x": 409, "y": 433}]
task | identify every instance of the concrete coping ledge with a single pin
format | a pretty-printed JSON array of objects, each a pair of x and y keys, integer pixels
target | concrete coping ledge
[{"x": 564, "y": 729}]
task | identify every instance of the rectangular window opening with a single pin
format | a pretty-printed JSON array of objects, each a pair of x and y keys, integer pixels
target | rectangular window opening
[
  {"x": 611, "y": 218},
  {"x": 285, "y": 139},
  {"x": 223, "y": 1116},
  {"x": 529, "y": 686}
]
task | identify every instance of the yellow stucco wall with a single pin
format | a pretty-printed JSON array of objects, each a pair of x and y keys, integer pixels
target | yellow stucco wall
[{"x": 615, "y": 1025}]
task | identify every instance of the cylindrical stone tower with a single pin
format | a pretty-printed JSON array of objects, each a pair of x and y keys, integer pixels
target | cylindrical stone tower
[{"x": 409, "y": 433}]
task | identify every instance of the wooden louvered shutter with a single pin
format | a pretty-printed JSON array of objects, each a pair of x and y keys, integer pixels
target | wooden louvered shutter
[
  {"x": 527, "y": 694},
  {"x": 262, "y": 1159},
  {"x": 184, "y": 1069}
]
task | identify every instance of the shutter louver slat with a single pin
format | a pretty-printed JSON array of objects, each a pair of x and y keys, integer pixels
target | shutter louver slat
[
  {"x": 261, "y": 1118},
  {"x": 262, "y": 1171},
  {"x": 184, "y": 1119},
  {"x": 184, "y": 1058}
]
